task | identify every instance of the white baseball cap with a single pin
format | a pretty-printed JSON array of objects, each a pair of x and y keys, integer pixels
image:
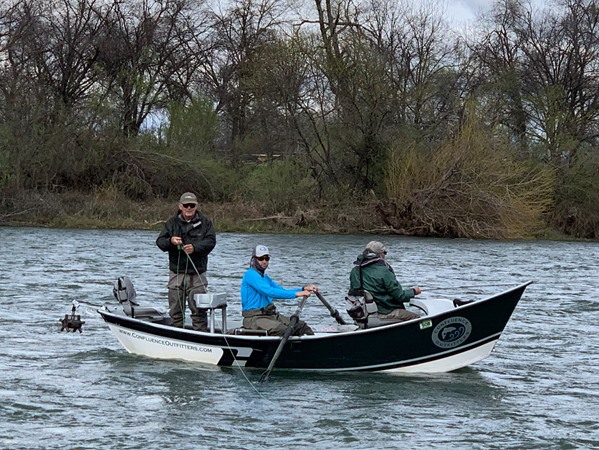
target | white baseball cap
[{"x": 261, "y": 250}]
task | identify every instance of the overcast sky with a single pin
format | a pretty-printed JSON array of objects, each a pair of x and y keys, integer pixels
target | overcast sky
[
  {"x": 466, "y": 10},
  {"x": 462, "y": 11}
]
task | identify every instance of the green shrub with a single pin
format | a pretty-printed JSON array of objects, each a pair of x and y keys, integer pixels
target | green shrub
[
  {"x": 576, "y": 210},
  {"x": 282, "y": 186}
]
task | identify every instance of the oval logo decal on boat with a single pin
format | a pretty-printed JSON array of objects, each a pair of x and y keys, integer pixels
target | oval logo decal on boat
[{"x": 451, "y": 332}]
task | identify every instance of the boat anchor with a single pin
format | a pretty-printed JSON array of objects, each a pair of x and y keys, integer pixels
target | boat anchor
[{"x": 72, "y": 322}]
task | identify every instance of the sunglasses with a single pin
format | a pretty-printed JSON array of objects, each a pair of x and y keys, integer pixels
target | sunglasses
[
  {"x": 189, "y": 205},
  {"x": 263, "y": 258}
]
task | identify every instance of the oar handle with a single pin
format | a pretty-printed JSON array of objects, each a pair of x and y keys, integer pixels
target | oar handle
[{"x": 333, "y": 311}]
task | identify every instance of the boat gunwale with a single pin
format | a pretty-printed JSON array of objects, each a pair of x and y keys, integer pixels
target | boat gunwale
[{"x": 121, "y": 316}]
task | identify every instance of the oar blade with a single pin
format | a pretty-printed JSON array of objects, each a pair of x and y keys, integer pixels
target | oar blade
[{"x": 264, "y": 377}]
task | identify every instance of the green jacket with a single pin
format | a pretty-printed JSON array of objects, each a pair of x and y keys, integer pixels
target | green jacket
[{"x": 379, "y": 279}]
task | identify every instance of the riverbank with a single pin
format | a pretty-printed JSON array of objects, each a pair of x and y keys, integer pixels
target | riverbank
[
  {"x": 105, "y": 211},
  {"x": 111, "y": 210}
]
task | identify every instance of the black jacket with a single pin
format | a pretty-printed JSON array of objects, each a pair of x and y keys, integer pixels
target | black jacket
[{"x": 199, "y": 232}]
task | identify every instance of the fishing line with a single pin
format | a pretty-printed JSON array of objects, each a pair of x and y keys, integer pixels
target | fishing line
[
  {"x": 181, "y": 296},
  {"x": 196, "y": 270},
  {"x": 240, "y": 367},
  {"x": 237, "y": 363}
]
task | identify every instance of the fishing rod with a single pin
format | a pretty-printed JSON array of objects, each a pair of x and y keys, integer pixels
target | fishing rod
[{"x": 472, "y": 286}]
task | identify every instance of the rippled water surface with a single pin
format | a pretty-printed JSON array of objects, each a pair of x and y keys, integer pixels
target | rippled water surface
[{"x": 538, "y": 389}]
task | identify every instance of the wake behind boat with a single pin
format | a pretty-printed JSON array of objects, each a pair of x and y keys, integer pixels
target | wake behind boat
[{"x": 450, "y": 335}]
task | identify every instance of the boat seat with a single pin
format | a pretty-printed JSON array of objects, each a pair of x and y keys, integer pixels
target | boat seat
[
  {"x": 210, "y": 303},
  {"x": 363, "y": 309},
  {"x": 145, "y": 312},
  {"x": 433, "y": 306},
  {"x": 125, "y": 294},
  {"x": 124, "y": 291},
  {"x": 374, "y": 321},
  {"x": 360, "y": 306}
]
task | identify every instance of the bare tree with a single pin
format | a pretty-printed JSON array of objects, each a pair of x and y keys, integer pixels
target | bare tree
[
  {"x": 47, "y": 75},
  {"x": 239, "y": 35},
  {"x": 149, "y": 54},
  {"x": 54, "y": 50},
  {"x": 497, "y": 56},
  {"x": 542, "y": 71},
  {"x": 424, "y": 63},
  {"x": 386, "y": 66}
]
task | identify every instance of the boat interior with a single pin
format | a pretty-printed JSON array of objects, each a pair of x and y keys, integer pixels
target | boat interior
[{"x": 215, "y": 305}]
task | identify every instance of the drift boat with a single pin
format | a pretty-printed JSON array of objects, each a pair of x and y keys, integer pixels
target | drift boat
[{"x": 450, "y": 334}]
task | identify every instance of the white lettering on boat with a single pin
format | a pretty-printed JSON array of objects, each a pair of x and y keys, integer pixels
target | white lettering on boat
[
  {"x": 451, "y": 332},
  {"x": 165, "y": 342}
]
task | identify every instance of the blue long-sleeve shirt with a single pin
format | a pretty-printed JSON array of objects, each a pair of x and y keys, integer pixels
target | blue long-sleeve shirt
[{"x": 259, "y": 291}]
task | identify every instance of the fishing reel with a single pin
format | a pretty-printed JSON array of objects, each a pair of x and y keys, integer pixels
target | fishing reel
[{"x": 72, "y": 322}]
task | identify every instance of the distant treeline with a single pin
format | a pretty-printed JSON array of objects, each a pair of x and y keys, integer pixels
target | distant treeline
[{"x": 490, "y": 132}]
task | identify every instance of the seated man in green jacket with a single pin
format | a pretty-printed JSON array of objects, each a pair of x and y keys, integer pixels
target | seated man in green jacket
[{"x": 373, "y": 274}]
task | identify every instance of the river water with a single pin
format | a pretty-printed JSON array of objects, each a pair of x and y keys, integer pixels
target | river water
[{"x": 538, "y": 389}]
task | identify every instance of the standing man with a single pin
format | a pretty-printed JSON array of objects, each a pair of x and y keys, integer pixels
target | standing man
[{"x": 188, "y": 237}]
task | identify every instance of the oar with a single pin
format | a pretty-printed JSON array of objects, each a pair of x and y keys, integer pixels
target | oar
[
  {"x": 292, "y": 322},
  {"x": 333, "y": 311}
]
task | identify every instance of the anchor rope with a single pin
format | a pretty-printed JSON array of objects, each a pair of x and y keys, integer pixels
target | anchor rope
[{"x": 90, "y": 303}]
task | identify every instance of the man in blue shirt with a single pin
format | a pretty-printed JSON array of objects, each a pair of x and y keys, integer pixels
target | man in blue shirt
[{"x": 258, "y": 291}]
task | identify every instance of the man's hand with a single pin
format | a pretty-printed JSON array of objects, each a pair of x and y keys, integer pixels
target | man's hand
[
  {"x": 304, "y": 293},
  {"x": 417, "y": 290},
  {"x": 310, "y": 288}
]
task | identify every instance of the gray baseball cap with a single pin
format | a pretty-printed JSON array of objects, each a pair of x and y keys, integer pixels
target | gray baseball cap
[
  {"x": 376, "y": 247},
  {"x": 188, "y": 197}
]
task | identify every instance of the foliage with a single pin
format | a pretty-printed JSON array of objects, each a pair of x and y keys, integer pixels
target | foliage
[
  {"x": 149, "y": 169},
  {"x": 358, "y": 103},
  {"x": 472, "y": 186},
  {"x": 191, "y": 129},
  {"x": 576, "y": 212},
  {"x": 281, "y": 185}
]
